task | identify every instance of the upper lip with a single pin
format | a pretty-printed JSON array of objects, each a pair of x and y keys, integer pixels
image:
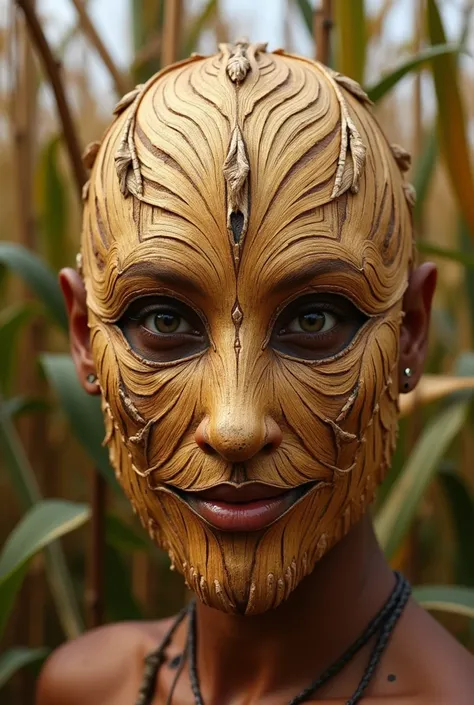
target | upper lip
[
  {"x": 230, "y": 494},
  {"x": 243, "y": 494}
]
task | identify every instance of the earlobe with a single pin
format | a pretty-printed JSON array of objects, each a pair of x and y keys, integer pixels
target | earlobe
[
  {"x": 414, "y": 330},
  {"x": 74, "y": 293}
]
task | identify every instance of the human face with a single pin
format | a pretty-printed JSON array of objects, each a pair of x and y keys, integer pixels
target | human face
[{"x": 248, "y": 363}]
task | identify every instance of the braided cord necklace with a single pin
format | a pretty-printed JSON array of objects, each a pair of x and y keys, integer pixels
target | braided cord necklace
[{"x": 382, "y": 625}]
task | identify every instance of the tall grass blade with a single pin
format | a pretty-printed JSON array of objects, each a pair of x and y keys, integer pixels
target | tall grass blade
[
  {"x": 38, "y": 276},
  {"x": 198, "y": 24},
  {"x": 12, "y": 321},
  {"x": 14, "y": 660},
  {"x": 307, "y": 14},
  {"x": 461, "y": 506},
  {"x": 47, "y": 521},
  {"x": 351, "y": 38},
  {"x": 24, "y": 482},
  {"x": 446, "y": 598},
  {"x": 380, "y": 89},
  {"x": 424, "y": 171},
  {"x": 465, "y": 258},
  {"x": 394, "y": 518},
  {"x": 452, "y": 125},
  {"x": 82, "y": 410},
  {"x": 52, "y": 195}
]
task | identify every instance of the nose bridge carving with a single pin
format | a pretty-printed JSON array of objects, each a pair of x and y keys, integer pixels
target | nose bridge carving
[{"x": 237, "y": 426}]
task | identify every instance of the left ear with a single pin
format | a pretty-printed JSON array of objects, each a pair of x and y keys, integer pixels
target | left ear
[{"x": 417, "y": 304}]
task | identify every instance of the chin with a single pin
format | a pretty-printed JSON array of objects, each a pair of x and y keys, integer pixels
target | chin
[{"x": 247, "y": 573}]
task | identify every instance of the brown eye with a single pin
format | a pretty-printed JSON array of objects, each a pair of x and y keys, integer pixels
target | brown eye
[
  {"x": 163, "y": 329},
  {"x": 166, "y": 322},
  {"x": 316, "y": 326},
  {"x": 313, "y": 322}
]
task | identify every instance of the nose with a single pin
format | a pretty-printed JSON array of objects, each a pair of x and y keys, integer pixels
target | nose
[{"x": 238, "y": 441}]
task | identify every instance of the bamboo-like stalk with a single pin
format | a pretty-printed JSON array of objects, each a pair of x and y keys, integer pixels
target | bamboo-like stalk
[
  {"x": 95, "y": 593},
  {"x": 52, "y": 70},
  {"x": 322, "y": 25},
  {"x": 171, "y": 33},
  {"x": 122, "y": 83},
  {"x": 32, "y": 428}
]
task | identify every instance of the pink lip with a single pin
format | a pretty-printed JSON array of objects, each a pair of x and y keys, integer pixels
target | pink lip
[{"x": 248, "y": 508}]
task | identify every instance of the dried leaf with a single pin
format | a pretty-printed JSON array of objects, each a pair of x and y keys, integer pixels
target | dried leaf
[{"x": 89, "y": 154}]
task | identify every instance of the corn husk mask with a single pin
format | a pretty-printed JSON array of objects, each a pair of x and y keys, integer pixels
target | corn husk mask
[{"x": 246, "y": 246}]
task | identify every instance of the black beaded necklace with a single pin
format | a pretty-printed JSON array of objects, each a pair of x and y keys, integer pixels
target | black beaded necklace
[{"x": 382, "y": 625}]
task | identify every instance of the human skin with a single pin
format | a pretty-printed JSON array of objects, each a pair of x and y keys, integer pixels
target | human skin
[{"x": 277, "y": 409}]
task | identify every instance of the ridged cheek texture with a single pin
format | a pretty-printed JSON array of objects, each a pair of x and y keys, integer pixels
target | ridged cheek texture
[{"x": 237, "y": 172}]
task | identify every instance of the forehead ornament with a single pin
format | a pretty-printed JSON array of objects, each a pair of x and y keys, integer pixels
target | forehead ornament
[{"x": 236, "y": 60}]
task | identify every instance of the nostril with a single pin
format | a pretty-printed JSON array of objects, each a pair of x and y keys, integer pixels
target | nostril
[
  {"x": 208, "y": 449},
  {"x": 268, "y": 447}
]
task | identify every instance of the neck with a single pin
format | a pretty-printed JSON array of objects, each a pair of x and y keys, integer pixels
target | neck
[{"x": 288, "y": 647}]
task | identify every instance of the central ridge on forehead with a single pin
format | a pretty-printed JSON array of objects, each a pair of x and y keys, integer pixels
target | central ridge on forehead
[{"x": 234, "y": 84}]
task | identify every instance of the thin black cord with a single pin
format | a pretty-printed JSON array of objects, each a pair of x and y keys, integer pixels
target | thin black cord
[
  {"x": 381, "y": 645},
  {"x": 384, "y": 622},
  {"x": 179, "y": 671},
  {"x": 154, "y": 660},
  {"x": 372, "y": 628},
  {"x": 193, "y": 675}
]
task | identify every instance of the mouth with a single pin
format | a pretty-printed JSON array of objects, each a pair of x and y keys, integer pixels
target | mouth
[{"x": 250, "y": 507}]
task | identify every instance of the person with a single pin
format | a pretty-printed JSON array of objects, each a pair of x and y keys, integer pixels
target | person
[{"x": 248, "y": 306}]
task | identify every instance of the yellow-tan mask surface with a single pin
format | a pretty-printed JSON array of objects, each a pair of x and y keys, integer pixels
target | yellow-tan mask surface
[{"x": 239, "y": 187}]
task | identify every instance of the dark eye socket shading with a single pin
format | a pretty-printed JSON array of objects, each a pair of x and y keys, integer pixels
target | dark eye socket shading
[
  {"x": 314, "y": 326},
  {"x": 340, "y": 320},
  {"x": 189, "y": 337}
]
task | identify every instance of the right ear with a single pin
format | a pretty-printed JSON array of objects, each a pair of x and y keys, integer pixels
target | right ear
[{"x": 74, "y": 293}]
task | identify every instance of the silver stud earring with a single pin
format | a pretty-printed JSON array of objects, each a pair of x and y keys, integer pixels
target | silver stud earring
[
  {"x": 92, "y": 378},
  {"x": 408, "y": 372}
]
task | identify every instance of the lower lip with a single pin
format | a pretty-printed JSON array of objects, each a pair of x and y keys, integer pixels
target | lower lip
[{"x": 251, "y": 516}]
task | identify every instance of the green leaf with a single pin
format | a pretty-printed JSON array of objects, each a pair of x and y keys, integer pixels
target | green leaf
[
  {"x": 452, "y": 124},
  {"x": 454, "y": 255},
  {"x": 12, "y": 321},
  {"x": 52, "y": 205},
  {"x": 17, "y": 406},
  {"x": 38, "y": 276},
  {"x": 25, "y": 484},
  {"x": 380, "y": 89},
  {"x": 198, "y": 24},
  {"x": 307, "y": 14},
  {"x": 394, "y": 519},
  {"x": 120, "y": 602},
  {"x": 13, "y": 660},
  {"x": 446, "y": 598},
  {"x": 466, "y": 245},
  {"x": 124, "y": 537},
  {"x": 16, "y": 463},
  {"x": 461, "y": 505},
  {"x": 351, "y": 38},
  {"x": 424, "y": 171},
  {"x": 82, "y": 410},
  {"x": 46, "y": 521}
]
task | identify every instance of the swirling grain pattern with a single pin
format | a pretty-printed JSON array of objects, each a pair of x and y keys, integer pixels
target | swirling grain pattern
[{"x": 238, "y": 172}]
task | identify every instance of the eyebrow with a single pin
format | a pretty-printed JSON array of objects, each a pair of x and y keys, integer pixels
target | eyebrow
[
  {"x": 301, "y": 276},
  {"x": 161, "y": 275}
]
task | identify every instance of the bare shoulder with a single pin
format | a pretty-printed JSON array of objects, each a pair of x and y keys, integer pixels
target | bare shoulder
[
  {"x": 100, "y": 666},
  {"x": 434, "y": 664}
]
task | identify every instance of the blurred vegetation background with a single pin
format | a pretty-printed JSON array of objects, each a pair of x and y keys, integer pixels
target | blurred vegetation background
[{"x": 60, "y": 76}]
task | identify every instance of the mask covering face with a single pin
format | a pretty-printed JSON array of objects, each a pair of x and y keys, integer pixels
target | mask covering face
[{"x": 246, "y": 246}]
